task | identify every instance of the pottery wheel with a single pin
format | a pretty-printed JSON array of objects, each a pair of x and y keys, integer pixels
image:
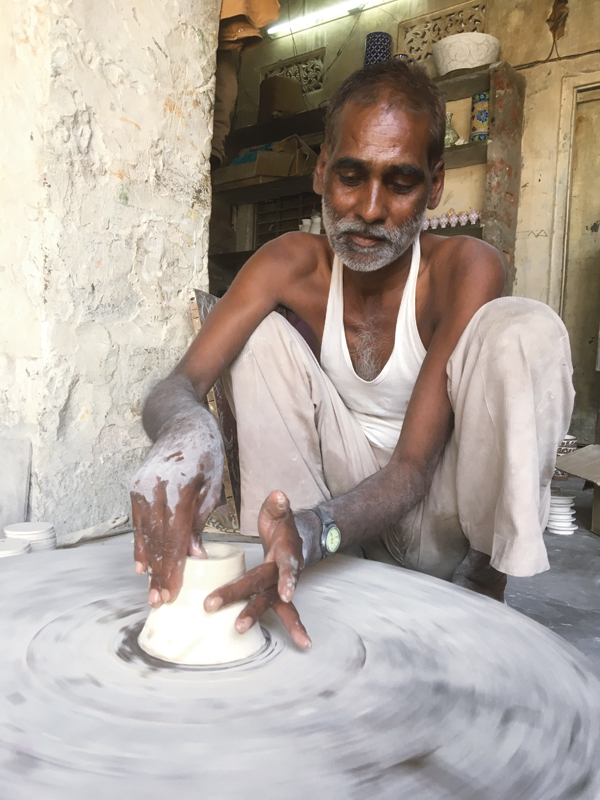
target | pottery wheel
[{"x": 413, "y": 689}]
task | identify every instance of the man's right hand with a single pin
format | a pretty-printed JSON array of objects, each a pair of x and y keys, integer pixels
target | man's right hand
[
  {"x": 172, "y": 495},
  {"x": 273, "y": 583}
]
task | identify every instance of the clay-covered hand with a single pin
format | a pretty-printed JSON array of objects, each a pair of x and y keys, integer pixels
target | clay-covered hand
[
  {"x": 172, "y": 495},
  {"x": 272, "y": 584}
]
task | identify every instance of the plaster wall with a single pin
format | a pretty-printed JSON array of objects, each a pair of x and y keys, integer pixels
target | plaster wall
[
  {"x": 105, "y": 201},
  {"x": 522, "y": 29}
]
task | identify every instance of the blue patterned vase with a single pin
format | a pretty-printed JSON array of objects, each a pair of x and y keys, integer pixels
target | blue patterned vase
[
  {"x": 480, "y": 123},
  {"x": 378, "y": 47}
]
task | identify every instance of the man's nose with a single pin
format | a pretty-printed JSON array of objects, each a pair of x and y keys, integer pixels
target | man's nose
[{"x": 370, "y": 206}]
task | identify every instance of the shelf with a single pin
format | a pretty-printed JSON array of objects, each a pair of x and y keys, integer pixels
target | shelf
[
  {"x": 305, "y": 123},
  {"x": 464, "y": 83},
  {"x": 239, "y": 193},
  {"x": 460, "y": 230},
  {"x": 465, "y": 155},
  {"x": 252, "y": 191}
]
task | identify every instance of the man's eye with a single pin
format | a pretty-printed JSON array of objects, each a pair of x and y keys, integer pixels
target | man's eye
[
  {"x": 401, "y": 188},
  {"x": 350, "y": 180}
]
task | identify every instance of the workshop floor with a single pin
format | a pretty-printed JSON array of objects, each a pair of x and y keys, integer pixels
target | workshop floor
[{"x": 566, "y": 598}]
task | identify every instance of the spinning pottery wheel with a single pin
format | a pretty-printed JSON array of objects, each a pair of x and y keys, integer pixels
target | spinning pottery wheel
[{"x": 413, "y": 689}]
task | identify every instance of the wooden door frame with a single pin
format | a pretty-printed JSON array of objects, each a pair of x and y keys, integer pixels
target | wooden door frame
[{"x": 572, "y": 86}]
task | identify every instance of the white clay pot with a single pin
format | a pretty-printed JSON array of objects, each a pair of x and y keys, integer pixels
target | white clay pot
[
  {"x": 182, "y": 632},
  {"x": 465, "y": 51}
]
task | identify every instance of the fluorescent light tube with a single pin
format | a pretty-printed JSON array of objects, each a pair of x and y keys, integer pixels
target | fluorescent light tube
[{"x": 326, "y": 14}]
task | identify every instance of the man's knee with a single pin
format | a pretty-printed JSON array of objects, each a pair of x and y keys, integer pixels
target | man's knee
[{"x": 524, "y": 327}]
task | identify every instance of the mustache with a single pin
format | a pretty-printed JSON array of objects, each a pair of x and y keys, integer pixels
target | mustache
[{"x": 377, "y": 232}]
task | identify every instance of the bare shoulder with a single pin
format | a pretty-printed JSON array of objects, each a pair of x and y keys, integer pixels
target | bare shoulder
[
  {"x": 292, "y": 253},
  {"x": 463, "y": 264}
]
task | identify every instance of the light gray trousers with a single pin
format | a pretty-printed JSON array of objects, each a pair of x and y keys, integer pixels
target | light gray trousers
[{"x": 509, "y": 382}]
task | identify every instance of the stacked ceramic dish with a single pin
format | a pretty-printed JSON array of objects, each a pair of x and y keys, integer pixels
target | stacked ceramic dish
[
  {"x": 562, "y": 514},
  {"x": 38, "y": 535},
  {"x": 12, "y": 547}
]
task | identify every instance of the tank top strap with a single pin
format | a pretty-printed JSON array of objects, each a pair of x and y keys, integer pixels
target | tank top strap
[
  {"x": 406, "y": 326},
  {"x": 334, "y": 316}
]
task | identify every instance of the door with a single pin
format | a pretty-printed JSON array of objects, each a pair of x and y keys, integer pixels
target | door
[{"x": 581, "y": 299}]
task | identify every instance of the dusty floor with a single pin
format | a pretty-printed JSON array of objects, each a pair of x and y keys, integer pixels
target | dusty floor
[{"x": 566, "y": 599}]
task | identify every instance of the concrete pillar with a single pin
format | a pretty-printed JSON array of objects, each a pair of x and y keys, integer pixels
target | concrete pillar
[{"x": 106, "y": 115}]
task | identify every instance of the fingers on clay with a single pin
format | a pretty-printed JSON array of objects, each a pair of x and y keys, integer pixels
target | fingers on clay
[
  {"x": 288, "y": 614},
  {"x": 255, "y": 609}
]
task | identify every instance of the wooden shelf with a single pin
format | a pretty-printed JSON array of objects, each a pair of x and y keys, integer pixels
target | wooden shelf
[
  {"x": 461, "y": 83},
  {"x": 465, "y": 155},
  {"x": 307, "y": 122},
  {"x": 240, "y": 193},
  {"x": 464, "y": 83},
  {"x": 460, "y": 230}
]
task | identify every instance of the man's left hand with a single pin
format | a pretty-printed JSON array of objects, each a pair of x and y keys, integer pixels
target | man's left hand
[{"x": 272, "y": 584}]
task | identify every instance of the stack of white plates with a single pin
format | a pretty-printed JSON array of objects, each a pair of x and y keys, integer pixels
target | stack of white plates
[
  {"x": 562, "y": 514},
  {"x": 39, "y": 535},
  {"x": 12, "y": 547}
]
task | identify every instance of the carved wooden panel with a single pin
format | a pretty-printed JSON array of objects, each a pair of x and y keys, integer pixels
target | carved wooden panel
[
  {"x": 306, "y": 68},
  {"x": 417, "y": 36}
]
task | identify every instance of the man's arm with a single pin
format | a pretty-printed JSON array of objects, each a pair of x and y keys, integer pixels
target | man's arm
[
  {"x": 475, "y": 276},
  {"x": 179, "y": 483}
]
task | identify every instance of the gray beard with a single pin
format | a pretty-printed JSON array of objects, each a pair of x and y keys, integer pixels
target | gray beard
[{"x": 392, "y": 244}]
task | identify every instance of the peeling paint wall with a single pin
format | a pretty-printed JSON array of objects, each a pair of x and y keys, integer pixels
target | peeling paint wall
[{"x": 104, "y": 208}]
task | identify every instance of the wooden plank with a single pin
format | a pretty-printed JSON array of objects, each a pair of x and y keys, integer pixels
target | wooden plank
[
  {"x": 476, "y": 231},
  {"x": 307, "y": 122},
  {"x": 464, "y": 83},
  {"x": 254, "y": 192},
  {"x": 465, "y": 155},
  {"x": 503, "y": 182},
  {"x": 583, "y": 463}
]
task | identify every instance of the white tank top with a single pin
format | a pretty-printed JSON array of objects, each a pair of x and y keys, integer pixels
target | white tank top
[{"x": 378, "y": 405}]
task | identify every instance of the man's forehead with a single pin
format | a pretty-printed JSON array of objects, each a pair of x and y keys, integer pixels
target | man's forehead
[{"x": 382, "y": 131}]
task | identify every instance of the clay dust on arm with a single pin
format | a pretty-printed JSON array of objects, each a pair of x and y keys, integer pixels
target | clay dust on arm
[{"x": 177, "y": 486}]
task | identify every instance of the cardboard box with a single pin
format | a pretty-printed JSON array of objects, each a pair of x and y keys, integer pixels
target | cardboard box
[
  {"x": 585, "y": 463},
  {"x": 288, "y": 158}
]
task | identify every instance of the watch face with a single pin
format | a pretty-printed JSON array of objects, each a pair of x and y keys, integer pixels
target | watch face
[{"x": 333, "y": 540}]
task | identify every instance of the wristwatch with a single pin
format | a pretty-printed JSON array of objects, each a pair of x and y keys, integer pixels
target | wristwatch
[{"x": 331, "y": 538}]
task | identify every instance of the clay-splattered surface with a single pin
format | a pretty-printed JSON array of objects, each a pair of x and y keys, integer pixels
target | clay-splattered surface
[{"x": 413, "y": 689}]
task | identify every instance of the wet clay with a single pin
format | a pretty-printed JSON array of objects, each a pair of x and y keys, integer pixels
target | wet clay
[{"x": 182, "y": 632}]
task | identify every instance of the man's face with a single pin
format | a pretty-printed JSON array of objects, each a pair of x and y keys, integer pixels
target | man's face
[{"x": 376, "y": 184}]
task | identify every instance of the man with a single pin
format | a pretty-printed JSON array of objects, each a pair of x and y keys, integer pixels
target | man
[
  {"x": 239, "y": 30},
  {"x": 426, "y": 432}
]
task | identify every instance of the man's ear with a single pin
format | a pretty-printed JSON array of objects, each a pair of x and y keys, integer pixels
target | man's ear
[
  {"x": 437, "y": 185},
  {"x": 319, "y": 173}
]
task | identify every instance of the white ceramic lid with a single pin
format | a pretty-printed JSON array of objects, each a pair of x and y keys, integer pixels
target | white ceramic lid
[
  {"x": 29, "y": 529},
  {"x": 11, "y": 547}
]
